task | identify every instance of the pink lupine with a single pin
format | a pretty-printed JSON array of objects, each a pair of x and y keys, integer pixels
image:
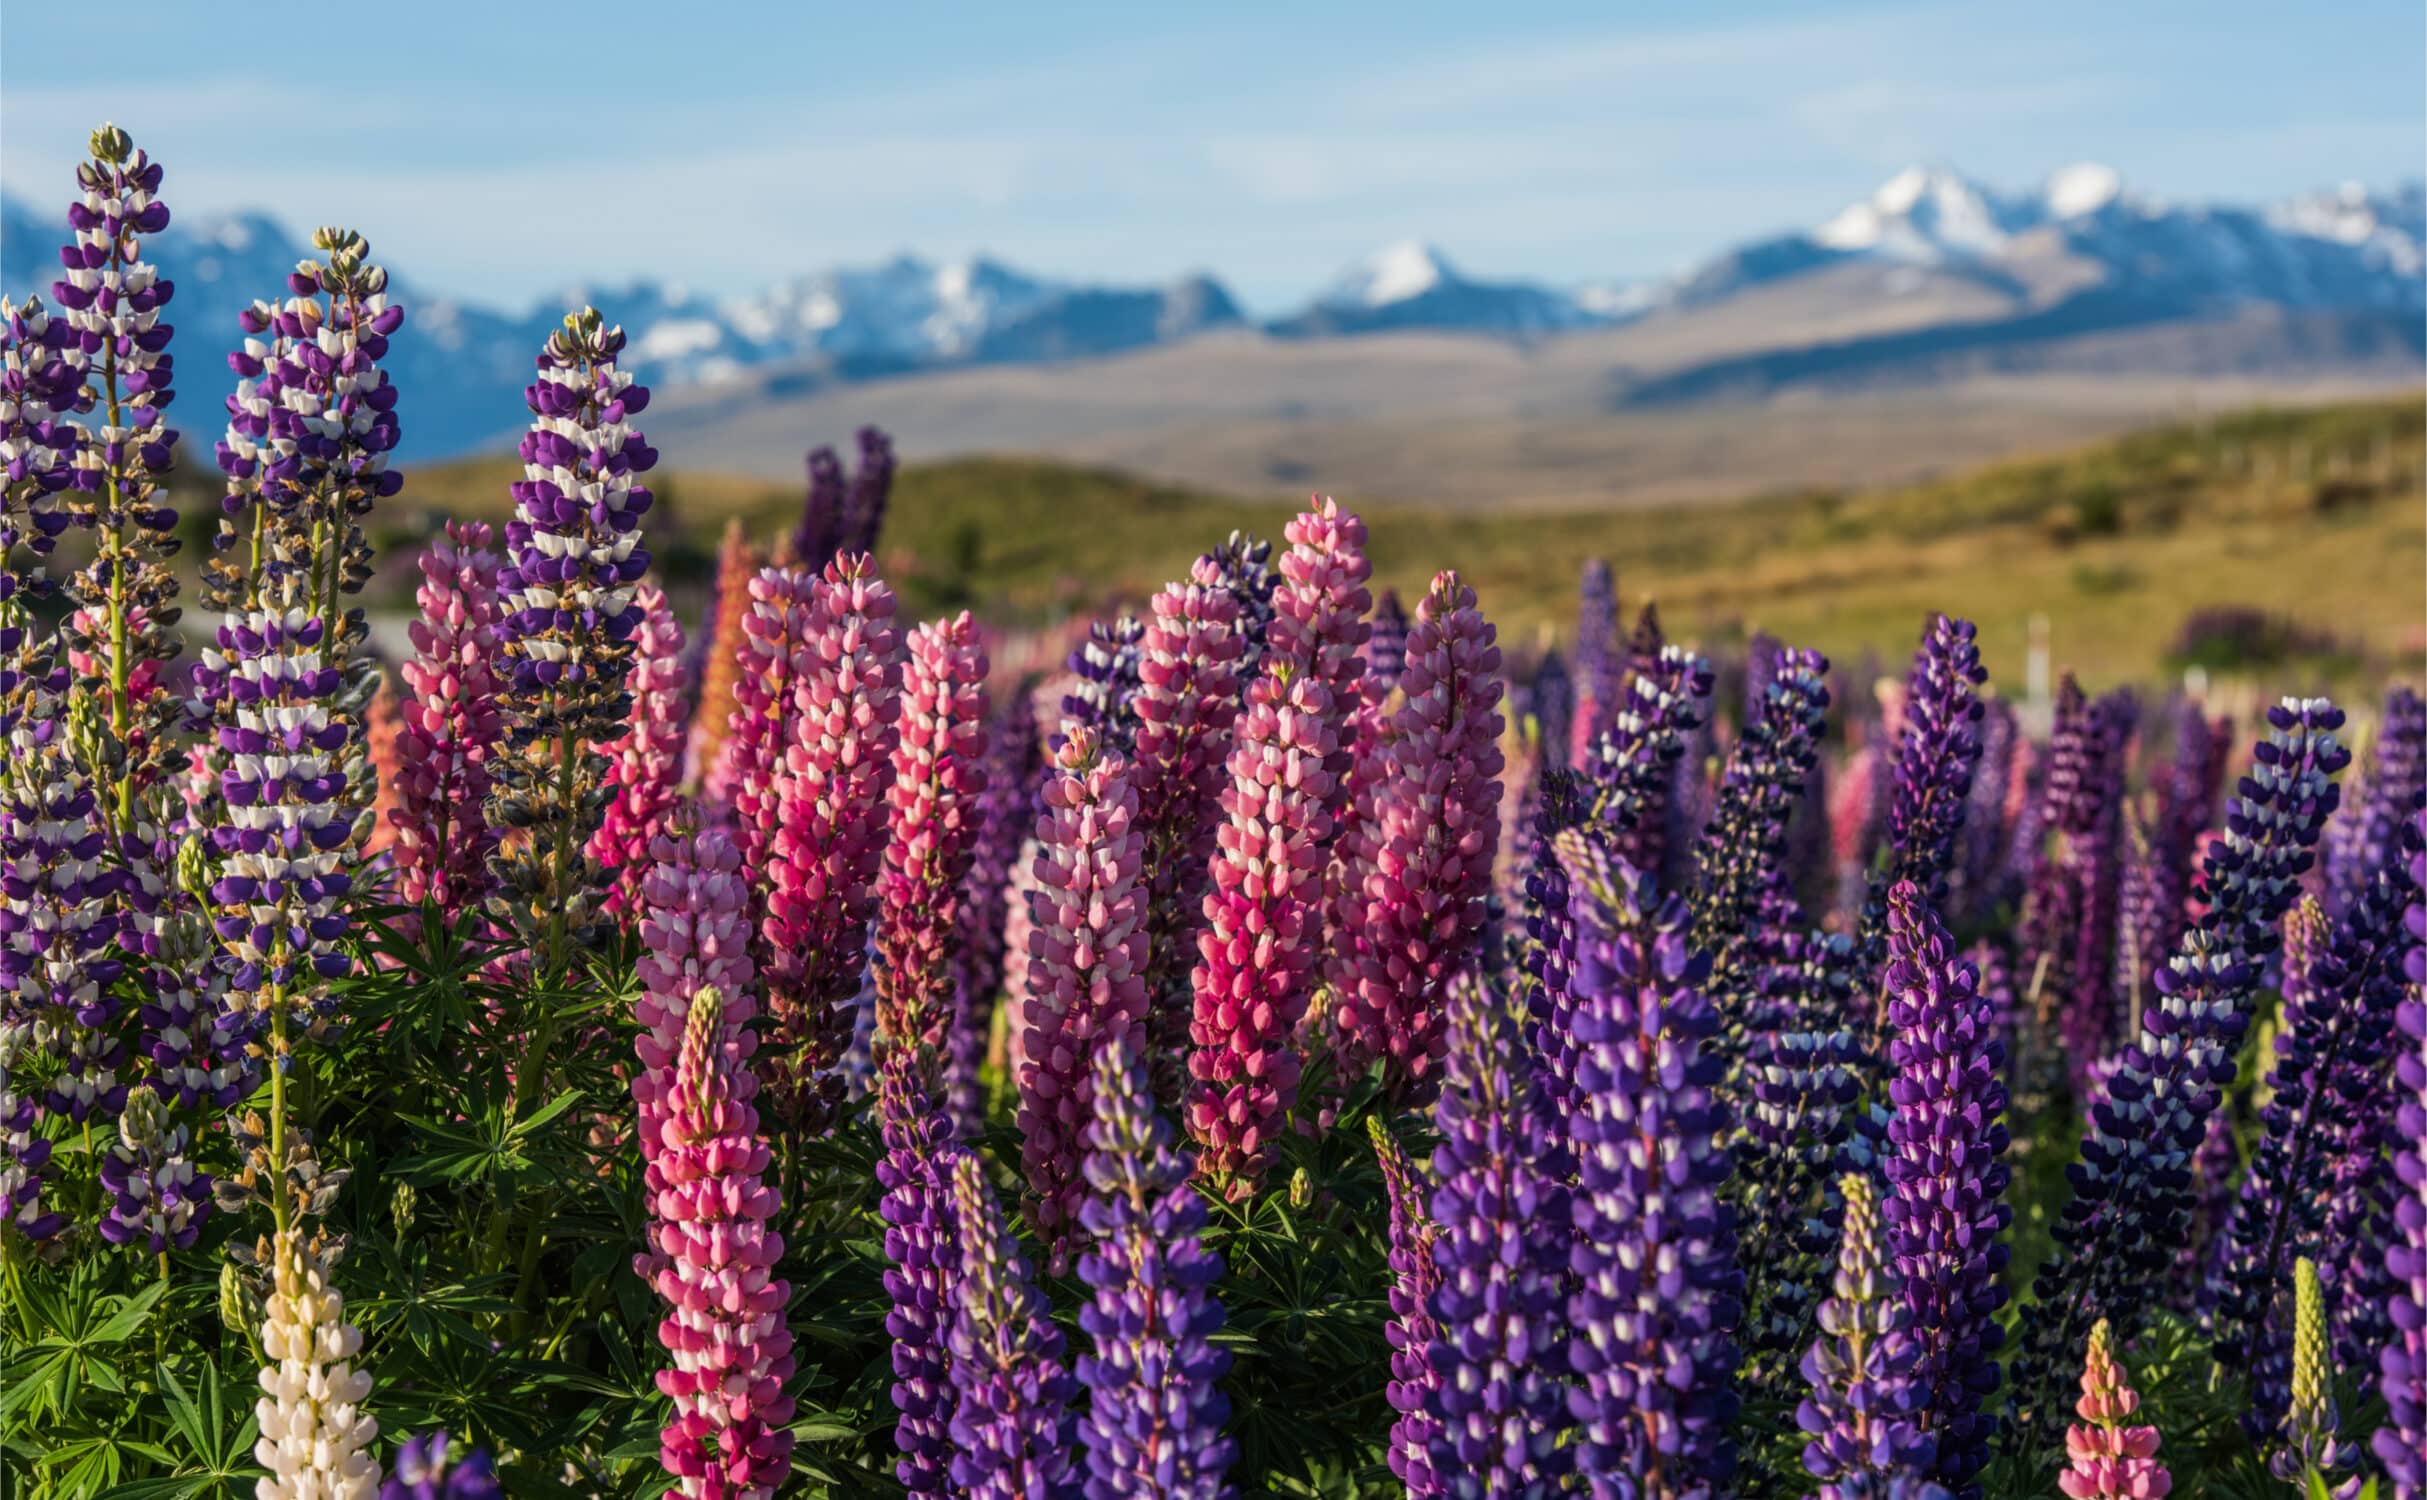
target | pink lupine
[
  {"x": 829, "y": 836},
  {"x": 1086, "y": 967},
  {"x": 762, "y": 721},
  {"x": 1437, "y": 830},
  {"x": 939, "y": 768},
  {"x": 695, "y": 936},
  {"x": 645, "y": 764},
  {"x": 1187, "y": 699},
  {"x": 2105, "y": 1455},
  {"x": 724, "y": 1330},
  {"x": 382, "y": 735},
  {"x": 1289, "y": 770},
  {"x": 1009, "y": 1048},
  {"x": 452, "y": 728}
]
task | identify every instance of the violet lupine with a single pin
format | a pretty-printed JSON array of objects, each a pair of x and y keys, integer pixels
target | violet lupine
[
  {"x": 922, "y": 1266},
  {"x": 2108, "y": 1456},
  {"x": 24, "y": 1152},
  {"x": 2369, "y": 834},
  {"x": 1154, "y": 1418},
  {"x": 982, "y": 951},
  {"x": 1438, "y": 831},
  {"x": 1599, "y": 663},
  {"x": 1863, "y": 1413},
  {"x": 1563, "y": 801},
  {"x": 1242, "y": 568},
  {"x": 1415, "y": 1275},
  {"x": 2313, "y": 1447},
  {"x": 723, "y": 637},
  {"x": 938, "y": 776},
  {"x": 1086, "y": 969},
  {"x": 646, "y": 763},
  {"x": 1980, "y": 876},
  {"x": 1937, "y": 751},
  {"x": 829, "y": 838},
  {"x": 2401, "y": 1445},
  {"x": 1499, "y": 1405},
  {"x": 1946, "y": 1179},
  {"x": 1632, "y": 761},
  {"x": 1386, "y": 647},
  {"x": 157, "y": 1199},
  {"x": 1288, "y": 776},
  {"x": 1552, "y": 700},
  {"x": 315, "y": 1436},
  {"x": 2186, "y": 807},
  {"x": 1011, "y": 1426},
  {"x": 864, "y": 500},
  {"x": 2131, "y": 1188},
  {"x": 57, "y": 906},
  {"x": 724, "y": 1330},
  {"x": 434, "y": 1467},
  {"x": 1104, "y": 682},
  {"x": 1187, "y": 701},
  {"x": 452, "y": 728},
  {"x": 2068, "y": 907},
  {"x": 1658, "y": 1291},
  {"x": 820, "y": 532}
]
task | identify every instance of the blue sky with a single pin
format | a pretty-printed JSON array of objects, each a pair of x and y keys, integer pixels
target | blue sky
[{"x": 505, "y": 149}]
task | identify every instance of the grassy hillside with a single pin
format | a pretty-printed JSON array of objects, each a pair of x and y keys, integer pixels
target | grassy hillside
[{"x": 2314, "y": 516}]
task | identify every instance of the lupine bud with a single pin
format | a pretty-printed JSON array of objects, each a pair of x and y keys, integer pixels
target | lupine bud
[
  {"x": 158, "y": 1200},
  {"x": 938, "y": 776},
  {"x": 433, "y": 1467},
  {"x": 315, "y": 1436},
  {"x": 1415, "y": 1277},
  {"x": 1011, "y": 1427},
  {"x": 644, "y": 765},
  {"x": 2312, "y": 1444},
  {"x": 1861, "y": 1413}
]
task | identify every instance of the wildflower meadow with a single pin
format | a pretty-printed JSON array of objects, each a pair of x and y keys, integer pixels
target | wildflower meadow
[{"x": 1281, "y": 1043}]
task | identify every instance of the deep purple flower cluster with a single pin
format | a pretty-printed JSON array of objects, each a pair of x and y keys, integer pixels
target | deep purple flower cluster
[
  {"x": 2069, "y": 911},
  {"x": 1243, "y": 566},
  {"x": 1104, "y": 695},
  {"x": 157, "y": 1199},
  {"x": 2369, "y": 834},
  {"x": 1865, "y": 1405},
  {"x": 1633, "y": 761},
  {"x": 1551, "y": 698},
  {"x": 1154, "y": 1421},
  {"x": 2401, "y": 1445},
  {"x": 922, "y": 1266},
  {"x": 429, "y": 1468},
  {"x": 1011, "y": 1427},
  {"x": 1946, "y": 1179},
  {"x": 1658, "y": 1289},
  {"x": 1007, "y": 812},
  {"x": 1414, "y": 1277},
  {"x": 1599, "y": 666},
  {"x": 1563, "y": 800},
  {"x": 1937, "y": 751},
  {"x": 1386, "y": 648}
]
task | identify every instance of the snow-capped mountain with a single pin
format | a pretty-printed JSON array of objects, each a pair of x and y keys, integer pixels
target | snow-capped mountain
[{"x": 1411, "y": 285}]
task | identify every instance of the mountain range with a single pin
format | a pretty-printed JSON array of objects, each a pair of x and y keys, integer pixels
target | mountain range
[{"x": 1932, "y": 271}]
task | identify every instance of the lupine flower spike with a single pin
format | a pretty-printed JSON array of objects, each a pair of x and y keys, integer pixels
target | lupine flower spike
[
  {"x": 922, "y": 1265},
  {"x": 452, "y": 729},
  {"x": 1011, "y": 1427},
  {"x": 645, "y": 764},
  {"x": 938, "y": 777},
  {"x": 2107, "y": 1455},
  {"x": 1415, "y": 1277},
  {"x": 2312, "y": 1444},
  {"x": 435, "y": 1467},
  {"x": 2401, "y": 1445},
  {"x": 315, "y": 1436},
  {"x": 1861, "y": 1413}
]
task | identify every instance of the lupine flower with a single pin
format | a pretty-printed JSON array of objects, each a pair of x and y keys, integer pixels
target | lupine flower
[
  {"x": 452, "y": 729},
  {"x": 864, "y": 501},
  {"x": 2067, "y": 913},
  {"x": 1938, "y": 748},
  {"x": 1288, "y": 781},
  {"x": 2131, "y": 1198},
  {"x": 1438, "y": 827},
  {"x": 1980, "y": 876},
  {"x": 645, "y": 764},
  {"x": 982, "y": 954},
  {"x": 56, "y": 911},
  {"x": 1863, "y": 1408},
  {"x": 1011, "y": 1427},
  {"x": 829, "y": 836},
  {"x": 1415, "y": 1275},
  {"x": 1187, "y": 700},
  {"x": 1552, "y": 700},
  {"x": 1500, "y": 1204},
  {"x": 778, "y": 606},
  {"x": 1386, "y": 648},
  {"x": 1104, "y": 688},
  {"x": 430, "y": 1467},
  {"x": 938, "y": 776},
  {"x": 1631, "y": 763},
  {"x": 2107, "y": 1456},
  {"x": 1599, "y": 664},
  {"x": 820, "y": 532},
  {"x": 724, "y": 636},
  {"x": 573, "y": 558},
  {"x": 157, "y": 1198},
  {"x": 24, "y": 1154},
  {"x": 1946, "y": 1182},
  {"x": 1086, "y": 981},
  {"x": 383, "y": 758},
  {"x": 1563, "y": 801},
  {"x": 315, "y": 1436},
  {"x": 2312, "y": 1443},
  {"x": 2369, "y": 835},
  {"x": 1154, "y": 1421},
  {"x": 2401, "y": 1445},
  {"x": 1241, "y": 567},
  {"x": 922, "y": 1265},
  {"x": 1654, "y": 1254},
  {"x": 724, "y": 1330},
  {"x": 1019, "y": 923}
]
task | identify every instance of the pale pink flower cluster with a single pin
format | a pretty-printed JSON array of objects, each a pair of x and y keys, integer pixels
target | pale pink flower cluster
[
  {"x": 695, "y": 936},
  {"x": 939, "y": 768},
  {"x": 645, "y": 765},
  {"x": 451, "y": 728},
  {"x": 724, "y": 1330},
  {"x": 1086, "y": 967}
]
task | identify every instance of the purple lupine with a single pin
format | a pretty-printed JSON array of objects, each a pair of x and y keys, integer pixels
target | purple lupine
[
  {"x": 1658, "y": 1293},
  {"x": 1937, "y": 751},
  {"x": 157, "y": 1199},
  {"x": 2401, "y": 1445},
  {"x": 1563, "y": 801},
  {"x": 922, "y": 1266},
  {"x": 1980, "y": 876},
  {"x": 1501, "y": 1206},
  {"x": 1946, "y": 1179},
  {"x": 1006, "y": 811},
  {"x": 1666, "y": 699},
  {"x": 430, "y": 1467},
  {"x": 1414, "y": 1277},
  {"x": 2068, "y": 915},
  {"x": 2130, "y": 1209},
  {"x": 1242, "y": 568},
  {"x": 1599, "y": 665},
  {"x": 1552, "y": 701},
  {"x": 1154, "y": 1420},
  {"x": 2369, "y": 834},
  {"x": 871, "y": 486},
  {"x": 2186, "y": 807},
  {"x": 1863, "y": 1413},
  {"x": 1104, "y": 688},
  {"x": 1386, "y": 648},
  {"x": 24, "y": 1152},
  {"x": 1011, "y": 1426},
  {"x": 820, "y": 533}
]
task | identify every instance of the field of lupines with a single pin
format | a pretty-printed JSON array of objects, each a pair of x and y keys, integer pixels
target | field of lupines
[{"x": 1284, "y": 1050}]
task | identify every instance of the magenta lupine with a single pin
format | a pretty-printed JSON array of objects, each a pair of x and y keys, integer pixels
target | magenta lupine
[
  {"x": 829, "y": 838},
  {"x": 922, "y": 1265},
  {"x": 2108, "y": 1456},
  {"x": 724, "y": 1330},
  {"x": 1658, "y": 1289},
  {"x": 2401, "y": 1445},
  {"x": 1153, "y": 1429},
  {"x": 644, "y": 766},
  {"x": 1946, "y": 1180},
  {"x": 1319, "y": 630},
  {"x": 1187, "y": 701},
  {"x": 1862, "y": 1412},
  {"x": 452, "y": 728},
  {"x": 1012, "y": 1430},
  {"x": 1086, "y": 979},
  {"x": 938, "y": 776},
  {"x": 777, "y": 604},
  {"x": 695, "y": 936},
  {"x": 1438, "y": 828}
]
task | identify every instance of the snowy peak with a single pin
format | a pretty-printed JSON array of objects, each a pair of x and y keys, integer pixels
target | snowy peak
[
  {"x": 2079, "y": 190},
  {"x": 1926, "y": 215},
  {"x": 1396, "y": 273}
]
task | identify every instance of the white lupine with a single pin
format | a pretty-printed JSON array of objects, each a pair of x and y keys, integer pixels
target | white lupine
[{"x": 315, "y": 1436}]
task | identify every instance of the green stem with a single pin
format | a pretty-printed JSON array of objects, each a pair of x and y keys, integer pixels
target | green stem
[{"x": 278, "y": 1109}]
